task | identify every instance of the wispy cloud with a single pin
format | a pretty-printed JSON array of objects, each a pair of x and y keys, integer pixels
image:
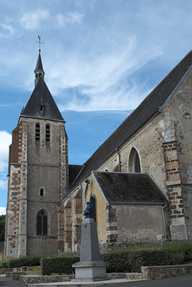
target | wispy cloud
[
  {"x": 92, "y": 4},
  {"x": 32, "y": 20},
  {"x": 6, "y": 31},
  {"x": 105, "y": 82},
  {"x": 71, "y": 17},
  {"x": 74, "y": 17}
]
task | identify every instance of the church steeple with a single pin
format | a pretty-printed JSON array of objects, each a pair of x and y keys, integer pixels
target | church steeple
[{"x": 39, "y": 72}]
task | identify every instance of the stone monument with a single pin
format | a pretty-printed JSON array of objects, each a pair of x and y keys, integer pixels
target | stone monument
[{"x": 90, "y": 267}]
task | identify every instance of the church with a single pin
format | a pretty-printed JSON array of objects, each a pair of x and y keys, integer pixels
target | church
[{"x": 140, "y": 177}]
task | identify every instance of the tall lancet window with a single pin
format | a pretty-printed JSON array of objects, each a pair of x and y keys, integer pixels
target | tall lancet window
[
  {"x": 134, "y": 161},
  {"x": 42, "y": 222}
]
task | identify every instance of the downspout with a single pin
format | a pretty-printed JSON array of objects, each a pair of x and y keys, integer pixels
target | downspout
[
  {"x": 81, "y": 199},
  {"x": 119, "y": 159},
  {"x": 164, "y": 221}
]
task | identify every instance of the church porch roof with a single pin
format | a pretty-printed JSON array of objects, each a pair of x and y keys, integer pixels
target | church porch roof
[{"x": 129, "y": 188}]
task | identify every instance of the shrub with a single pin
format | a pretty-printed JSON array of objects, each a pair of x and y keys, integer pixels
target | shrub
[
  {"x": 132, "y": 260},
  {"x": 3, "y": 264},
  {"x": 24, "y": 261},
  {"x": 61, "y": 265},
  {"x": 178, "y": 252}
]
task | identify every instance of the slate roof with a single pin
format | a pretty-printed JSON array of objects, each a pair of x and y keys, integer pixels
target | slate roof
[
  {"x": 146, "y": 110},
  {"x": 121, "y": 188},
  {"x": 41, "y": 96},
  {"x": 39, "y": 65},
  {"x": 1, "y": 246},
  {"x": 73, "y": 172}
]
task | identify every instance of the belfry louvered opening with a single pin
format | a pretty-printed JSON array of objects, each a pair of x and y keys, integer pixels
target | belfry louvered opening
[
  {"x": 37, "y": 132},
  {"x": 47, "y": 134}
]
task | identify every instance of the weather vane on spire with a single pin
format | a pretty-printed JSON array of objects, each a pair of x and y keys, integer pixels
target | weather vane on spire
[{"x": 39, "y": 43}]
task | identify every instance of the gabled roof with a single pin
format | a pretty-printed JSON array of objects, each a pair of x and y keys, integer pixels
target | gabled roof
[
  {"x": 74, "y": 170},
  {"x": 41, "y": 104},
  {"x": 124, "y": 188},
  {"x": 145, "y": 111}
]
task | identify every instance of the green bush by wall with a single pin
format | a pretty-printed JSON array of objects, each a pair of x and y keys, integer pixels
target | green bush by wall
[
  {"x": 3, "y": 264},
  {"x": 24, "y": 261},
  {"x": 61, "y": 265},
  {"x": 132, "y": 260}
]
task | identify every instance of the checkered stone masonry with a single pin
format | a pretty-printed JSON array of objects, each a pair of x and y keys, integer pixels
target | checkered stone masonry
[
  {"x": 112, "y": 232},
  {"x": 17, "y": 198},
  {"x": 60, "y": 231},
  {"x": 174, "y": 192},
  {"x": 22, "y": 239},
  {"x": 63, "y": 162},
  {"x": 77, "y": 221},
  {"x": 68, "y": 227}
]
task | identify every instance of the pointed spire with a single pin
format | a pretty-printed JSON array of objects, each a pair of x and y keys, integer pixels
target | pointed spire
[{"x": 39, "y": 72}]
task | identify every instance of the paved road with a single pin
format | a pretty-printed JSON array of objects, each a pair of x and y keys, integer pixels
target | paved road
[
  {"x": 182, "y": 281},
  {"x": 8, "y": 283}
]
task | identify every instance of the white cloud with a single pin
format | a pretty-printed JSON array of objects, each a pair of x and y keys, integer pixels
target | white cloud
[
  {"x": 105, "y": 82},
  {"x": 92, "y": 4},
  {"x": 74, "y": 17},
  {"x": 2, "y": 210},
  {"x": 6, "y": 31},
  {"x": 5, "y": 141},
  {"x": 32, "y": 20},
  {"x": 71, "y": 17}
]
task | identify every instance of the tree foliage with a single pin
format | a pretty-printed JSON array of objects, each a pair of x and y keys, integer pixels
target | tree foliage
[{"x": 2, "y": 228}]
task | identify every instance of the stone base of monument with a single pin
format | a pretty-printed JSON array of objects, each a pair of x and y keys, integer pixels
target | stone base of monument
[
  {"x": 90, "y": 267},
  {"x": 90, "y": 271}
]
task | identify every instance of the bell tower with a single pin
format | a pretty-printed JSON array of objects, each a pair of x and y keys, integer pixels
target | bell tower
[{"x": 38, "y": 174}]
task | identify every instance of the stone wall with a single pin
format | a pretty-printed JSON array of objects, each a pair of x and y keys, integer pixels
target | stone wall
[
  {"x": 45, "y": 279},
  {"x": 144, "y": 224},
  {"x": 157, "y": 272},
  {"x": 5, "y": 270}
]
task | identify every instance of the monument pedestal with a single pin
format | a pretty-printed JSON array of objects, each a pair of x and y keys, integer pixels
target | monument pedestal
[
  {"x": 90, "y": 271},
  {"x": 90, "y": 267}
]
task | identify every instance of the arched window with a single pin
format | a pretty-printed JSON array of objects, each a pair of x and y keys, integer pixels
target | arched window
[
  {"x": 134, "y": 161},
  {"x": 42, "y": 222}
]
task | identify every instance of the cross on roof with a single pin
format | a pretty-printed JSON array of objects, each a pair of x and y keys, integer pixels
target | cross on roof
[{"x": 39, "y": 43}]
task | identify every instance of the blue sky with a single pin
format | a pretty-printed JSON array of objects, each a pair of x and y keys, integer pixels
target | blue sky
[{"x": 101, "y": 59}]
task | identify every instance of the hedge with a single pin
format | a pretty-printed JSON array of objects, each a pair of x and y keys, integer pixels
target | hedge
[
  {"x": 132, "y": 260},
  {"x": 24, "y": 261},
  {"x": 178, "y": 252},
  {"x": 61, "y": 265},
  {"x": 119, "y": 261},
  {"x": 3, "y": 264}
]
